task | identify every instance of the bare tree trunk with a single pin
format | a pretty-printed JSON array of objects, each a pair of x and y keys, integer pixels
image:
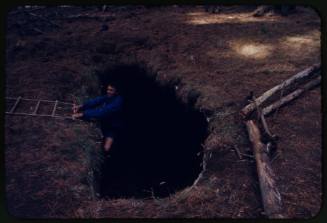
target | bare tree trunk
[
  {"x": 271, "y": 199},
  {"x": 303, "y": 74},
  {"x": 290, "y": 96}
]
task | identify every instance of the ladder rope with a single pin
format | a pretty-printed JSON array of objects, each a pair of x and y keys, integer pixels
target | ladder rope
[
  {"x": 53, "y": 114},
  {"x": 28, "y": 99}
]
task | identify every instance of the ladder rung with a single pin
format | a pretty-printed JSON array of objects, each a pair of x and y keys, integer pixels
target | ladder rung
[
  {"x": 36, "y": 107},
  {"x": 54, "y": 108},
  {"x": 15, "y": 105}
]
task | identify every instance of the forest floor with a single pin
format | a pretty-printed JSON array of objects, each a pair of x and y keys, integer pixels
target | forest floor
[{"x": 219, "y": 57}]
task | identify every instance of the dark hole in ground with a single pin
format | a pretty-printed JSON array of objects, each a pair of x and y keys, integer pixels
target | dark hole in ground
[{"x": 158, "y": 152}]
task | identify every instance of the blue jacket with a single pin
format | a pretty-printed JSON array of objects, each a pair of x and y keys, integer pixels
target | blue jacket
[{"x": 104, "y": 108}]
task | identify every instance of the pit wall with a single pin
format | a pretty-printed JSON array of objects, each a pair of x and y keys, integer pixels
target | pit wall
[{"x": 185, "y": 93}]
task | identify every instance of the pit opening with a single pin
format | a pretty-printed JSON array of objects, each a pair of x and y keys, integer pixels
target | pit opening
[{"x": 159, "y": 150}]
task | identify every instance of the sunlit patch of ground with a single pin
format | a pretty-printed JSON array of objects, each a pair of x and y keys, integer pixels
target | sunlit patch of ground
[
  {"x": 252, "y": 50},
  {"x": 203, "y": 18},
  {"x": 289, "y": 45},
  {"x": 302, "y": 42}
]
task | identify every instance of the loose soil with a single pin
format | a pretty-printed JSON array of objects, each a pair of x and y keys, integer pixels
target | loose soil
[{"x": 213, "y": 61}]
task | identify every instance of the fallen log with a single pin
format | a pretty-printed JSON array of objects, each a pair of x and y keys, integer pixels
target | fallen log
[
  {"x": 271, "y": 199},
  {"x": 303, "y": 74},
  {"x": 262, "y": 118},
  {"x": 267, "y": 110}
]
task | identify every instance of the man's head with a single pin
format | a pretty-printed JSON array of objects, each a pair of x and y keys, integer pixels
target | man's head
[{"x": 111, "y": 90}]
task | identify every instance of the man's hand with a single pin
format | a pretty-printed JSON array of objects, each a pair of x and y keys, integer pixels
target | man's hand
[
  {"x": 77, "y": 115},
  {"x": 76, "y": 108}
]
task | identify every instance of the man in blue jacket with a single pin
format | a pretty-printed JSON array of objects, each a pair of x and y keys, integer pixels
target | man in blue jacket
[{"x": 107, "y": 109}]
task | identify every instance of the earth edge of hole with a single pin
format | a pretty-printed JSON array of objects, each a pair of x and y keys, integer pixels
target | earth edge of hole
[{"x": 177, "y": 160}]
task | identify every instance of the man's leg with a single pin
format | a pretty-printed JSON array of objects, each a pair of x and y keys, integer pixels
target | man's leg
[{"x": 107, "y": 144}]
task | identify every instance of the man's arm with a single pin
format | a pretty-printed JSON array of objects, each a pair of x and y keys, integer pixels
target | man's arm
[
  {"x": 99, "y": 113},
  {"x": 92, "y": 103}
]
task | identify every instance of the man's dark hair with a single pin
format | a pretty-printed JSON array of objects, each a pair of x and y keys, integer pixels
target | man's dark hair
[{"x": 113, "y": 83}]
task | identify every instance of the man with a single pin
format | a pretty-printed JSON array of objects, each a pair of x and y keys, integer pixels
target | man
[{"x": 107, "y": 109}]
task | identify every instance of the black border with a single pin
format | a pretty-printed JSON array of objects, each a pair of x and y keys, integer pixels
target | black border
[{"x": 317, "y": 5}]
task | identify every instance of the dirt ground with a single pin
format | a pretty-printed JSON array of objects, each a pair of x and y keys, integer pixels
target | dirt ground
[{"x": 219, "y": 57}]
